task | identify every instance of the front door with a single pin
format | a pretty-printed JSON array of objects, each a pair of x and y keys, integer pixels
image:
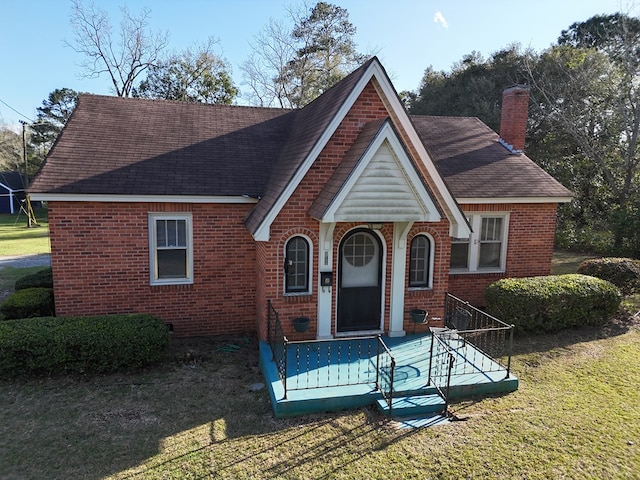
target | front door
[{"x": 360, "y": 287}]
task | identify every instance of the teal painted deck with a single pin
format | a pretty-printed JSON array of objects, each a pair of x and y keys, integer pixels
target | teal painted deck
[{"x": 338, "y": 363}]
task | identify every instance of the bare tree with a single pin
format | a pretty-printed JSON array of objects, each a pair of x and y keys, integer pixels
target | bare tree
[
  {"x": 293, "y": 62},
  {"x": 122, "y": 56},
  {"x": 272, "y": 49}
]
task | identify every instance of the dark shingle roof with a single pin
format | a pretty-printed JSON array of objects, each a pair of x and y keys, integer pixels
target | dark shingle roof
[
  {"x": 309, "y": 125},
  {"x": 474, "y": 165},
  {"x": 121, "y": 146}
]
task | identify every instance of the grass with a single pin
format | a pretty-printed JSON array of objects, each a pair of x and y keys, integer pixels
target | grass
[
  {"x": 567, "y": 262},
  {"x": 576, "y": 415},
  {"x": 18, "y": 239}
]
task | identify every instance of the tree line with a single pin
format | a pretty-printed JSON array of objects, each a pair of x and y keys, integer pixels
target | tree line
[{"x": 584, "y": 107}]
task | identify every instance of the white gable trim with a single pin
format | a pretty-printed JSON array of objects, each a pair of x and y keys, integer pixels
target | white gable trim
[
  {"x": 386, "y": 134},
  {"x": 459, "y": 226},
  {"x": 68, "y": 197}
]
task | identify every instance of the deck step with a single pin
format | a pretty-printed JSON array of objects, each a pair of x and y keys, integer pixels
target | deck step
[{"x": 413, "y": 405}]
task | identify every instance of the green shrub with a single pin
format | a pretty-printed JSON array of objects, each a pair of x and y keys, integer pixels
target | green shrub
[
  {"x": 624, "y": 273},
  {"x": 545, "y": 304},
  {"x": 80, "y": 344},
  {"x": 41, "y": 278},
  {"x": 27, "y": 303}
]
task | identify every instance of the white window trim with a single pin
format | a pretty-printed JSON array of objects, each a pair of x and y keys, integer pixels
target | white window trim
[
  {"x": 431, "y": 262},
  {"x": 153, "y": 266},
  {"x": 310, "y": 266},
  {"x": 475, "y": 219}
]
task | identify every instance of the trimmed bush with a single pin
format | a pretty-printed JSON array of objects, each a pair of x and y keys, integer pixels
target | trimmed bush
[
  {"x": 624, "y": 273},
  {"x": 546, "y": 304},
  {"x": 80, "y": 344},
  {"x": 42, "y": 278},
  {"x": 27, "y": 303}
]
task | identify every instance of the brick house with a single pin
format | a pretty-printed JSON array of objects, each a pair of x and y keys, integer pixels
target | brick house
[{"x": 348, "y": 211}]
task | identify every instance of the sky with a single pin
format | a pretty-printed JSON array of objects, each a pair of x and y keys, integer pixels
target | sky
[{"x": 408, "y": 36}]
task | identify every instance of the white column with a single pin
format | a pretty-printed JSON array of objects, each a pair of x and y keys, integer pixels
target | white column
[
  {"x": 325, "y": 264},
  {"x": 398, "y": 281}
]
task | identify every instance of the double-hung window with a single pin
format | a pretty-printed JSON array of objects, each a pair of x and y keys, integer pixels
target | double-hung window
[
  {"x": 170, "y": 248},
  {"x": 485, "y": 249},
  {"x": 420, "y": 262},
  {"x": 297, "y": 265}
]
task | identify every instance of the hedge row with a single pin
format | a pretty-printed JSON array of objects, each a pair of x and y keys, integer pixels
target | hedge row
[
  {"x": 624, "y": 273},
  {"x": 545, "y": 304},
  {"x": 42, "y": 278},
  {"x": 27, "y": 303},
  {"x": 103, "y": 344}
]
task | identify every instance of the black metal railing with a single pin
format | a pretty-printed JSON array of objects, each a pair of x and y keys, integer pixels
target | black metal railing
[
  {"x": 278, "y": 343},
  {"x": 385, "y": 368},
  {"x": 492, "y": 339},
  {"x": 309, "y": 364},
  {"x": 441, "y": 362}
]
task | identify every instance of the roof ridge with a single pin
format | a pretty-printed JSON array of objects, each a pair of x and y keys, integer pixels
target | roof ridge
[{"x": 182, "y": 102}]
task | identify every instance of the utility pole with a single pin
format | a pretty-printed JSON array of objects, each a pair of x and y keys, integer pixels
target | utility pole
[{"x": 26, "y": 170}]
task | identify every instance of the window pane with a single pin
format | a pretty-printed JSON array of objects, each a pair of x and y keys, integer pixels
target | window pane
[
  {"x": 161, "y": 233},
  {"x": 491, "y": 229},
  {"x": 460, "y": 255},
  {"x": 489, "y": 255},
  {"x": 419, "y": 262},
  {"x": 172, "y": 263},
  {"x": 171, "y": 233},
  {"x": 182, "y": 233},
  {"x": 297, "y": 253}
]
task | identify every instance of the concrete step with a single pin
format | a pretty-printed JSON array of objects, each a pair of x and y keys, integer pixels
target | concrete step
[{"x": 413, "y": 405}]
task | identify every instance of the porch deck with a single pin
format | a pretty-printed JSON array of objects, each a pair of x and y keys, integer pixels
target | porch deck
[{"x": 352, "y": 376}]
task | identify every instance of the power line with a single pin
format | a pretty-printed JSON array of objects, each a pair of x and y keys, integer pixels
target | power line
[{"x": 21, "y": 114}]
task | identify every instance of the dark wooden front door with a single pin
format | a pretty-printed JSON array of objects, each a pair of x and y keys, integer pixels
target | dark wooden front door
[{"x": 360, "y": 287}]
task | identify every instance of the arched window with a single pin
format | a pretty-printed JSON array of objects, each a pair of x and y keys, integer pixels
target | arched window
[
  {"x": 420, "y": 262},
  {"x": 296, "y": 265}
]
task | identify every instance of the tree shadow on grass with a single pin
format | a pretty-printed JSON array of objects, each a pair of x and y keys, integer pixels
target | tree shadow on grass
[
  {"x": 195, "y": 412},
  {"x": 543, "y": 342}
]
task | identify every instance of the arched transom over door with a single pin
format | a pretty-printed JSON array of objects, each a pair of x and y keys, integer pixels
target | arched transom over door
[{"x": 360, "y": 287}]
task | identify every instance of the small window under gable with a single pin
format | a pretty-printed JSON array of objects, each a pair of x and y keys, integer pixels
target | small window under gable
[
  {"x": 420, "y": 262},
  {"x": 297, "y": 265}
]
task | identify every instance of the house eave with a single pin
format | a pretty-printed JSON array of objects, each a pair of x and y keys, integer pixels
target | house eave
[
  {"x": 70, "y": 197},
  {"x": 505, "y": 200}
]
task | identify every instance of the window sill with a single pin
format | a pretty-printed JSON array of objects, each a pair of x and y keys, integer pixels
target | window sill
[
  {"x": 476, "y": 272},
  {"x": 157, "y": 283},
  {"x": 296, "y": 294},
  {"x": 420, "y": 289}
]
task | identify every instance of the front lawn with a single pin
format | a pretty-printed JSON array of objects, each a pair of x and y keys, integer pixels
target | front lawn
[
  {"x": 576, "y": 415},
  {"x": 18, "y": 239}
]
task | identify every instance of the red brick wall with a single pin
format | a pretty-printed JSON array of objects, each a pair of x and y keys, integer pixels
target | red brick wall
[
  {"x": 101, "y": 265},
  {"x": 529, "y": 248},
  {"x": 514, "y": 113},
  {"x": 293, "y": 218},
  {"x": 431, "y": 300}
]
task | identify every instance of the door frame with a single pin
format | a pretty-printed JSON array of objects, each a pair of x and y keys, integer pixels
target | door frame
[{"x": 383, "y": 275}]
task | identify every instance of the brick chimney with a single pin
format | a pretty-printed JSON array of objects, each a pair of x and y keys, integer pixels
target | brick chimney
[{"x": 513, "y": 118}]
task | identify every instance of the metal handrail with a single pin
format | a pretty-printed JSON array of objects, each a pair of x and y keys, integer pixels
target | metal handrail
[
  {"x": 441, "y": 362},
  {"x": 307, "y": 364},
  {"x": 386, "y": 389},
  {"x": 486, "y": 333},
  {"x": 278, "y": 343}
]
